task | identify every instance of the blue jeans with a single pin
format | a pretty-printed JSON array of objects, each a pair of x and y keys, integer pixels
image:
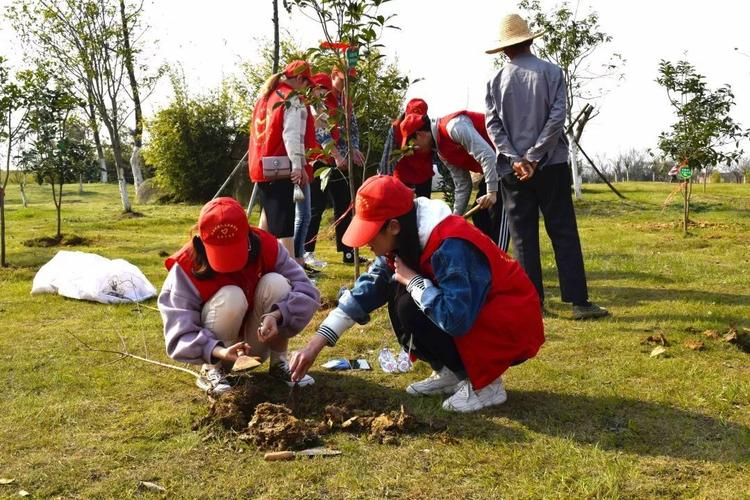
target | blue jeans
[{"x": 302, "y": 222}]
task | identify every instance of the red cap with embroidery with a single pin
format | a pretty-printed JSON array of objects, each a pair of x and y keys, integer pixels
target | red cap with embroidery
[
  {"x": 298, "y": 68},
  {"x": 322, "y": 80},
  {"x": 224, "y": 231},
  {"x": 416, "y": 106},
  {"x": 409, "y": 125},
  {"x": 381, "y": 198}
]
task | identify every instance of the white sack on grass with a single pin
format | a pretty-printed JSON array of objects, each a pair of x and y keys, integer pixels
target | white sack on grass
[{"x": 87, "y": 276}]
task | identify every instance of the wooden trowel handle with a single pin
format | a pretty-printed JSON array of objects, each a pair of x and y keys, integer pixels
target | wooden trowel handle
[{"x": 278, "y": 455}]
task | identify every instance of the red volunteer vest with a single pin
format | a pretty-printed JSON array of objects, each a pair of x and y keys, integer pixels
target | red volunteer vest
[
  {"x": 454, "y": 153},
  {"x": 415, "y": 168},
  {"x": 266, "y": 131},
  {"x": 247, "y": 278},
  {"x": 509, "y": 326}
]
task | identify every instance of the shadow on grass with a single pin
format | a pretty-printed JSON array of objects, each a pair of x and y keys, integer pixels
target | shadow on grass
[
  {"x": 629, "y": 425},
  {"x": 608, "y": 422}
]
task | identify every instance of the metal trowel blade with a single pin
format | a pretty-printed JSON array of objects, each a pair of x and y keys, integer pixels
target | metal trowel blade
[{"x": 245, "y": 363}]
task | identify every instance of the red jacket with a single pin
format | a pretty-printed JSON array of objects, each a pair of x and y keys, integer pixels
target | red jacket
[
  {"x": 509, "y": 326},
  {"x": 266, "y": 131},
  {"x": 247, "y": 278},
  {"x": 451, "y": 151},
  {"x": 413, "y": 169}
]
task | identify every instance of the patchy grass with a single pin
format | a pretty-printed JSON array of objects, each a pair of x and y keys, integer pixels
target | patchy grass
[{"x": 592, "y": 416}]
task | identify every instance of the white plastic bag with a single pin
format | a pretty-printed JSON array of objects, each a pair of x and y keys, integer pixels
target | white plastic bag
[{"x": 87, "y": 276}]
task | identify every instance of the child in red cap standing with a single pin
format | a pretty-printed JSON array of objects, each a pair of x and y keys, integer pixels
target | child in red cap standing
[
  {"x": 233, "y": 287},
  {"x": 454, "y": 299}
]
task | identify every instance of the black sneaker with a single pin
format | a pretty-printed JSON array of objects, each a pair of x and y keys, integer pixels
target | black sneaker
[
  {"x": 280, "y": 371},
  {"x": 310, "y": 271},
  {"x": 589, "y": 311}
]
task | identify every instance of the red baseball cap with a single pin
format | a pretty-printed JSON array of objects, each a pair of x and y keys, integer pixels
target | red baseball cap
[
  {"x": 322, "y": 80},
  {"x": 381, "y": 198},
  {"x": 416, "y": 105},
  {"x": 297, "y": 68},
  {"x": 224, "y": 229},
  {"x": 409, "y": 125}
]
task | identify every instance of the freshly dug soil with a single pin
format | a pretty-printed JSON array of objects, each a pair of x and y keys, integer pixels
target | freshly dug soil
[{"x": 273, "y": 427}]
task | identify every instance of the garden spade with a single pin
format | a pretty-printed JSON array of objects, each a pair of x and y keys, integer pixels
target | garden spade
[
  {"x": 245, "y": 363},
  {"x": 291, "y": 455}
]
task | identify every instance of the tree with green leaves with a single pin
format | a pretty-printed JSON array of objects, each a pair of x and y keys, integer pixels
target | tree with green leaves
[
  {"x": 704, "y": 134},
  {"x": 92, "y": 43},
  {"x": 16, "y": 94},
  {"x": 351, "y": 30},
  {"x": 55, "y": 150},
  {"x": 191, "y": 143},
  {"x": 575, "y": 42}
]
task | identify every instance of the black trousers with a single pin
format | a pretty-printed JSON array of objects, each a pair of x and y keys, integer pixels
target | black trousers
[
  {"x": 337, "y": 192},
  {"x": 548, "y": 191},
  {"x": 429, "y": 343}
]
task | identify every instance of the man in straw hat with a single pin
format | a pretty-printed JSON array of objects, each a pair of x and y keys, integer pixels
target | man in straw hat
[{"x": 525, "y": 119}]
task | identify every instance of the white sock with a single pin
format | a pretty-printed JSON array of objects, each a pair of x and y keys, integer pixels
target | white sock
[{"x": 277, "y": 357}]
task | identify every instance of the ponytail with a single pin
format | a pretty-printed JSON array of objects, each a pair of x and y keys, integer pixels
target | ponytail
[{"x": 270, "y": 84}]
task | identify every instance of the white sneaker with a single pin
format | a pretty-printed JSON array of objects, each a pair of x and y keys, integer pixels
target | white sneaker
[
  {"x": 467, "y": 399},
  {"x": 280, "y": 371},
  {"x": 212, "y": 380},
  {"x": 310, "y": 260},
  {"x": 442, "y": 382}
]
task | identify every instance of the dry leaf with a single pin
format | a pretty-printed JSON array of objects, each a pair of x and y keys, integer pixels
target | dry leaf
[
  {"x": 696, "y": 345},
  {"x": 730, "y": 336},
  {"x": 658, "y": 351},
  {"x": 152, "y": 486},
  {"x": 6, "y": 481},
  {"x": 656, "y": 339},
  {"x": 23, "y": 493},
  {"x": 712, "y": 334}
]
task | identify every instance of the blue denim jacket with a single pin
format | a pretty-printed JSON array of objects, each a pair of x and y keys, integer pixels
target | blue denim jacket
[{"x": 463, "y": 279}]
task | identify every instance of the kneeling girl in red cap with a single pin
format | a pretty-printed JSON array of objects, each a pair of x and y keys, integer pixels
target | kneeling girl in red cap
[
  {"x": 233, "y": 287},
  {"x": 455, "y": 299}
]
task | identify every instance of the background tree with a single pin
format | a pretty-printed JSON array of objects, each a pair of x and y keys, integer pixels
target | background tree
[
  {"x": 191, "y": 143},
  {"x": 16, "y": 95},
  {"x": 704, "y": 132},
  {"x": 55, "y": 147},
  {"x": 350, "y": 28},
  {"x": 86, "y": 41},
  {"x": 575, "y": 43}
]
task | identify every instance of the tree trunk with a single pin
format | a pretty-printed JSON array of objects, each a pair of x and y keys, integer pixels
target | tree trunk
[
  {"x": 22, "y": 187},
  {"x": 2, "y": 228},
  {"x": 136, "y": 160},
  {"x": 80, "y": 184},
  {"x": 275, "y": 36},
  {"x": 350, "y": 163},
  {"x": 574, "y": 168},
  {"x": 94, "y": 125},
  {"x": 119, "y": 163}
]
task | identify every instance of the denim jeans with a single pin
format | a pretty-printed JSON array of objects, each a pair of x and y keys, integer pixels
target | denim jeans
[{"x": 302, "y": 222}]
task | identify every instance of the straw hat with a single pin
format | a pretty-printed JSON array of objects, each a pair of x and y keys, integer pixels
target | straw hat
[{"x": 513, "y": 30}]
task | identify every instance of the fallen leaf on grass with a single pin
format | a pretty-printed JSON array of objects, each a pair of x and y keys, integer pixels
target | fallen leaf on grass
[
  {"x": 695, "y": 345},
  {"x": 730, "y": 336},
  {"x": 6, "y": 481},
  {"x": 711, "y": 334},
  {"x": 658, "y": 351},
  {"x": 656, "y": 339},
  {"x": 151, "y": 486},
  {"x": 23, "y": 493}
]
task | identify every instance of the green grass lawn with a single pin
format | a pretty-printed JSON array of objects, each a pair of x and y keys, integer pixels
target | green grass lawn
[{"x": 592, "y": 416}]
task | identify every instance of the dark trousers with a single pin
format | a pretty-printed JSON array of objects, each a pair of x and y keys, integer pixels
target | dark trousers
[
  {"x": 424, "y": 189},
  {"x": 337, "y": 191},
  {"x": 428, "y": 342},
  {"x": 548, "y": 191}
]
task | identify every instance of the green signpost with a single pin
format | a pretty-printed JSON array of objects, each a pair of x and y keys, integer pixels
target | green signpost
[{"x": 686, "y": 172}]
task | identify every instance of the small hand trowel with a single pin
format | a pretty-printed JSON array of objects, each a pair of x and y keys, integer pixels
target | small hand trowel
[
  {"x": 291, "y": 455},
  {"x": 245, "y": 363}
]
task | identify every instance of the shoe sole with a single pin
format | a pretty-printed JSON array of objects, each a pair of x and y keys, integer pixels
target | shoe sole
[
  {"x": 590, "y": 316},
  {"x": 469, "y": 410},
  {"x": 206, "y": 387},
  {"x": 451, "y": 389}
]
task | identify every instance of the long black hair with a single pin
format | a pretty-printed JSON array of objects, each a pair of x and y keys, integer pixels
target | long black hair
[{"x": 407, "y": 240}]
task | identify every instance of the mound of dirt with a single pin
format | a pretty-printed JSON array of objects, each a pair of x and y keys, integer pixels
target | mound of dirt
[
  {"x": 273, "y": 427},
  {"x": 234, "y": 409},
  {"x": 50, "y": 241},
  {"x": 383, "y": 428}
]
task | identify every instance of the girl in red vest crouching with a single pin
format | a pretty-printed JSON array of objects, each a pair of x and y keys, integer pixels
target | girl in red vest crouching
[
  {"x": 233, "y": 287},
  {"x": 454, "y": 298}
]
